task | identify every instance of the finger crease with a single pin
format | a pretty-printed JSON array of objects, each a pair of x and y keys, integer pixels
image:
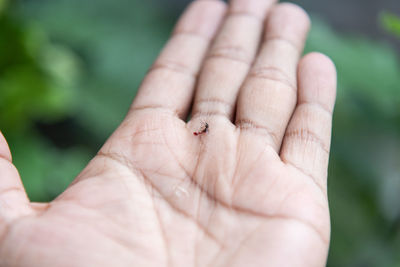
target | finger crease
[
  {"x": 5, "y": 159},
  {"x": 319, "y": 106},
  {"x": 246, "y": 124},
  {"x": 207, "y": 114},
  {"x": 307, "y": 136},
  {"x": 215, "y": 100},
  {"x": 174, "y": 66},
  {"x": 283, "y": 40},
  {"x": 213, "y": 106},
  {"x": 11, "y": 189},
  {"x": 273, "y": 74},
  {"x": 233, "y": 53},
  {"x": 163, "y": 109},
  {"x": 194, "y": 34},
  {"x": 211, "y": 114},
  {"x": 246, "y": 14}
]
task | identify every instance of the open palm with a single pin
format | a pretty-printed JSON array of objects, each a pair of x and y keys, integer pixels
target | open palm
[{"x": 249, "y": 191}]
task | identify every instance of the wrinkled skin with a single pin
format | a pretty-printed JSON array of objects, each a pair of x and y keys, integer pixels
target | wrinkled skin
[{"x": 249, "y": 192}]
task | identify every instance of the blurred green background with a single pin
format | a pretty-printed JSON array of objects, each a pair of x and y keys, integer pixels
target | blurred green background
[{"x": 69, "y": 70}]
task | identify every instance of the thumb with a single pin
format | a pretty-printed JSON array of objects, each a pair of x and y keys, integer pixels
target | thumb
[{"x": 13, "y": 199}]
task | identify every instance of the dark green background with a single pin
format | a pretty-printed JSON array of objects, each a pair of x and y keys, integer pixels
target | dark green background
[{"x": 70, "y": 68}]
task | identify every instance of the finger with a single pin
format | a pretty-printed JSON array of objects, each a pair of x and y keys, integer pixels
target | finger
[
  {"x": 13, "y": 199},
  {"x": 268, "y": 96},
  {"x": 307, "y": 140},
  {"x": 170, "y": 82},
  {"x": 230, "y": 58}
]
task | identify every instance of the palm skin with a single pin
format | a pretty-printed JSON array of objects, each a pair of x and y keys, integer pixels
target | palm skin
[{"x": 157, "y": 195}]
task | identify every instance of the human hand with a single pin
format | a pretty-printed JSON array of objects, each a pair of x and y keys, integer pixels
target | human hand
[{"x": 250, "y": 191}]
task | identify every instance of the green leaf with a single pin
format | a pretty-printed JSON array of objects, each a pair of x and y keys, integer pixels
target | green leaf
[
  {"x": 391, "y": 23},
  {"x": 3, "y": 5}
]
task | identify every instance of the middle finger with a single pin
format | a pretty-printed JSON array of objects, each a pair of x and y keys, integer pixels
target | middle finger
[{"x": 230, "y": 58}]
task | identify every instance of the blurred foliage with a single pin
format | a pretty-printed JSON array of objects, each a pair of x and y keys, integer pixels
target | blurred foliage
[
  {"x": 36, "y": 76},
  {"x": 364, "y": 182},
  {"x": 37, "y": 83},
  {"x": 3, "y": 4},
  {"x": 79, "y": 64},
  {"x": 391, "y": 23}
]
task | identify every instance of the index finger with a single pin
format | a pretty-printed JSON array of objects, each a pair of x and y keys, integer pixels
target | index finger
[{"x": 169, "y": 85}]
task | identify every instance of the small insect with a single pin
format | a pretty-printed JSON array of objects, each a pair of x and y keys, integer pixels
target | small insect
[{"x": 203, "y": 130}]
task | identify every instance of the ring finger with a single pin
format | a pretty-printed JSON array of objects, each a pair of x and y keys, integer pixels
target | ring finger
[{"x": 269, "y": 94}]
